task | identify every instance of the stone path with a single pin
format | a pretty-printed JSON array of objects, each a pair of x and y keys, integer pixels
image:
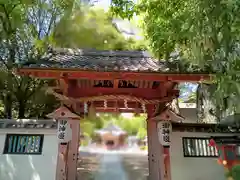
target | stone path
[
  {"x": 112, "y": 167},
  {"x": 136, "y": 166}
]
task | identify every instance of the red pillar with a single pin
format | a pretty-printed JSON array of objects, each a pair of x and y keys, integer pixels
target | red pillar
[
  {"x": 155, "y": 150},
  {"x": 167, "y": 163},
  {"x": 61, "y": 171}
]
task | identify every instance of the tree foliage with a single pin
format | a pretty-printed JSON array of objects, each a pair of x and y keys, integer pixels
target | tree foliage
[
  {"x": 135, "y": 125},
  {"x": 27, "y": 28},
  {"x": 25, "y": 33},
  {"x": 92, "y": 28},
  {"x": 204, "y": 32}
]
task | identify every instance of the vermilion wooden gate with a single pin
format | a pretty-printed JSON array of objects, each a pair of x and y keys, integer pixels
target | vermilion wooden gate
[{"x": 110, "y": 81}]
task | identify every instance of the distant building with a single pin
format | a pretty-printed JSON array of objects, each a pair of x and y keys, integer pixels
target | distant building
[
  {"x": 133, "y": 141},
  {"x": 111, "y": 137}
]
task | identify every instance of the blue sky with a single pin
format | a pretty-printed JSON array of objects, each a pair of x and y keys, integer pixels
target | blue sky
[{"x": 103, "y": 3}]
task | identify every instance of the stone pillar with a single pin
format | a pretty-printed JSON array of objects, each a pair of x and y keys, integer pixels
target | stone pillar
[{"x": 155, "y": 150}]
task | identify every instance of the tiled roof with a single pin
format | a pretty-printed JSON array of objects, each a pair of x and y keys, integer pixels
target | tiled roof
[
  {"x": 97, "y": 60},
  {"x": 111, "y": 128},
  {"x": 28, "y": 123}
]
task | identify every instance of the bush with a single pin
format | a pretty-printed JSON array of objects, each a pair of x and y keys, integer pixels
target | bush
[{"x": 236, "y": 172}]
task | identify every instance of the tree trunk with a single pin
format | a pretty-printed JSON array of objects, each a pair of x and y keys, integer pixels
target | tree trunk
[
  {"x": 21, "y": 110},
  {"x": 175, "y": 106},
  {"x": 10, "y": 61},
  {"x": 206, "y": 109},
  {"x": 8, "y": 106}
]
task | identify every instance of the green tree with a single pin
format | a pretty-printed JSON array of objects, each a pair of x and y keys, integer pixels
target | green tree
[
  {"x": 27, "y": 28},
  {"x": 25, "y": 34},
  {"x": 204, "y": 32},
  {"x": 135, "y": 126},
  {"x": 92, "y": 28}
]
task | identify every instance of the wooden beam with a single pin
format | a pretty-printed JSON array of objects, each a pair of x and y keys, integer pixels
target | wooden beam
[
  {"x": 112, "y": 104},
  {"x": 63, "y": 84},
  {"x": 112, "y": 110},
  {"x": 167, "y": 85},
  {"x": 137, "y": 92},
  {"x": 96, "y": 75},
  {"x": 114, "y": 97},
  {"x": 115, "y": 83}
]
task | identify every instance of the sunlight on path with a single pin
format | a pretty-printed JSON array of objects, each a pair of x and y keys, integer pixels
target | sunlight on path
[{"x": 111, "y": 168}]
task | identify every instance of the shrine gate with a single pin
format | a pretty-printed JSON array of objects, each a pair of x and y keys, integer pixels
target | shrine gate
[{"x": 110, "y": 81}]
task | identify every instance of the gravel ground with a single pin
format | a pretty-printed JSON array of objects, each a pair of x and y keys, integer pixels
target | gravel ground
[{"x": 112, "y": 166}]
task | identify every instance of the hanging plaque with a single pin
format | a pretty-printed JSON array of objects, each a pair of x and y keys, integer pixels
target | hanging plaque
[
  {"x": 64, "y": 133},
  {"x": 164, "y": 129}
]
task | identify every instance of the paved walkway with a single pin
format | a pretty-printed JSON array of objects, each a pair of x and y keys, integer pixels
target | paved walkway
[{"x": 113, "y": 167}]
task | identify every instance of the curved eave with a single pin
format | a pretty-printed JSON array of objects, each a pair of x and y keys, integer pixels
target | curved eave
[
  {"x": 103, "y": 133},
  {"x": 56, "y": 73}
]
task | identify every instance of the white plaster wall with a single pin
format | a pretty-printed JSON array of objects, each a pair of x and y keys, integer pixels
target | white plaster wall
[
  {"x": 188, "y": 168},
  {"x": 190, "y": 115},
  {"x": 30, "y": 167}
]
